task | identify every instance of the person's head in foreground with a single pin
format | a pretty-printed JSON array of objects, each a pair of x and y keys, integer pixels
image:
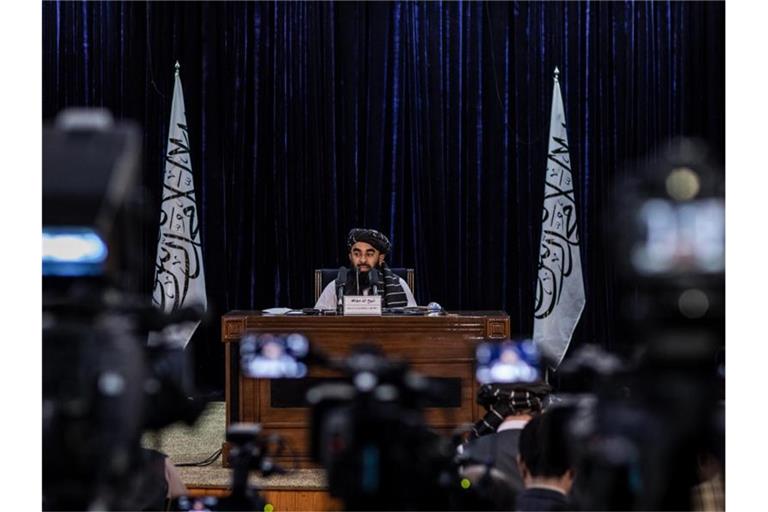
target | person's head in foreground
[{"x": 545, "y": 463}]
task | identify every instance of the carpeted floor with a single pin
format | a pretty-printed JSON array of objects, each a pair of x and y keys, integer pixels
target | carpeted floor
[
  {"x": 186, "y": 444},
  {"x": 189, "y": 444}
]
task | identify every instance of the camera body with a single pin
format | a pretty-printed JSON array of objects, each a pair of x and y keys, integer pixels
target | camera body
[
  {"x": 668, "y": 224},
  {"x": 370, "y": 434},
  {"x": 637, "y": 429},
  {"x": 367, "y": 427},
  {"x": 102, "y": 385}
]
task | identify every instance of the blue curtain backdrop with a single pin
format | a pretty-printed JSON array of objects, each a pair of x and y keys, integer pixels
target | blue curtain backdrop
[{"x": 428, "y": 121}]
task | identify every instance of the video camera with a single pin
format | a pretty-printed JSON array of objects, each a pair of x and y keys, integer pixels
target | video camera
[
  {"x": 637, "y": 444},
  {"x": 251, "y": 451},
  {"x": 370, "y": 434},
  {"x": 367, "y": 428},
  {"x": 102, "y": 385},
  {"x": 637, "y": 429},
  {"x": 668, "y": 222},
  {"x": 639, "y": 422}
]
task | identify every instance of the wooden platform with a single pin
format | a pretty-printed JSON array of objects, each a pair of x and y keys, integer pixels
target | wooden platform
[{"x": 303, "y": 489}]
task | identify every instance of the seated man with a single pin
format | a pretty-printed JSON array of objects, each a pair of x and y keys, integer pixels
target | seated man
[
  {"x": 545, "y": 463},
  {"x": 367, "y": 250}
]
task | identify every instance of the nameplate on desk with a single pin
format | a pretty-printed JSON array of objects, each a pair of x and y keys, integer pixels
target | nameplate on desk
[{"x": 362, "y": 305}]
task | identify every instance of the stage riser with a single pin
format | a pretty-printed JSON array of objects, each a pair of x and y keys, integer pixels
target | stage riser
[{"x": 287, "y": 500}]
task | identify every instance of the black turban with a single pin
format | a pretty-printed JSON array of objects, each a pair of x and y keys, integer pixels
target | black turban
[{"x": 370, "y": 236}]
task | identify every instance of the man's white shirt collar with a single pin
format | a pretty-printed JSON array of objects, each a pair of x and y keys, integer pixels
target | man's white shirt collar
[{"x": 510, "y": 424}]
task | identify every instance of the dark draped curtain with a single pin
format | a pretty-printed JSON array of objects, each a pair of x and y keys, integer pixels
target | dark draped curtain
[{"x": 428, "y": 121}]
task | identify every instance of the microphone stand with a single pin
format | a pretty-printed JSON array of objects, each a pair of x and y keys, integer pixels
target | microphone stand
[
  {"x": 373, "y": 276},
  {"x": 341, "y": 280}
]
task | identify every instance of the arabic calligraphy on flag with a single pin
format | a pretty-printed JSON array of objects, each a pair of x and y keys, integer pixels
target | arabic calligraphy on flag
[
  {"x": 560, "y": 285},
  {"x": 179, "y": 275}
]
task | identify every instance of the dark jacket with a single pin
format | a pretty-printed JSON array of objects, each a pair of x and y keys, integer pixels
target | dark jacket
[
  {"x": 499, "y": 449},
  {"x": 541, "y": 500}
]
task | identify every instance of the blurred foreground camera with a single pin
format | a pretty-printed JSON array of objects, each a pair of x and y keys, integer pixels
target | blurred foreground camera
[
  {"x": 508, "y": 362},
  {"x": 267, "y": 356},
  {"x": 370, "y": 434},
  {"x": 510, "y": 377},
  {"x": 669, "y": 224},
  {"x": 102, "y": 386},
  {"x": 251, "y": 451},
  {"x": 367, "y": 428}
]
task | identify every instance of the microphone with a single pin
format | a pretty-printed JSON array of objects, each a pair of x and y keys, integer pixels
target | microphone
[
  {"x": 374, "y": 279},
  {"x": 357, "y": 279},
  {"x": 341, "y": 280}
]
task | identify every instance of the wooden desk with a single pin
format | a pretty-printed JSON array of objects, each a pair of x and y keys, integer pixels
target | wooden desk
[{"x": 440, "y": 346}]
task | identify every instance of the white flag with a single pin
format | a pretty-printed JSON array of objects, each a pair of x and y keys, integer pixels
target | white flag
[
  {"x": 560, "y": 289},
  {"x": 179, "y": 275}
]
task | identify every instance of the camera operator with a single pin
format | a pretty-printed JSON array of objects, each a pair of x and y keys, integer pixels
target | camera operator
[{"x": 494, "y": 439}]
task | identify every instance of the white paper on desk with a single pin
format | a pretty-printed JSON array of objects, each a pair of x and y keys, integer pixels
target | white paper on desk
[{"x": 276, "y": 311}]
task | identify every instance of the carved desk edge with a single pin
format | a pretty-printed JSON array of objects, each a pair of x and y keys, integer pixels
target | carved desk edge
[{"x": 496, "y": 323}]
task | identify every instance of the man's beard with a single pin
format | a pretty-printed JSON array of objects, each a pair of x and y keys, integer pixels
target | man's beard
[{"x": 362, "y": 277}]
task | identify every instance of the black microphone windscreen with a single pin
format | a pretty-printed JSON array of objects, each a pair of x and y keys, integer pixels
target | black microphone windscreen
[
  {"x": 357, "y": 280},
  {"x": 341, "y": 277}
]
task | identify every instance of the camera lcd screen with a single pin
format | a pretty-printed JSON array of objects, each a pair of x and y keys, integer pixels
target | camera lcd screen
[
  {"x": 507, "y": 362},
  {"x": 201, "y": 503},
  {"x": 680, "y": 238},
  {"x": 73, "y": 252},
  {"x": 269, "y": 356}
]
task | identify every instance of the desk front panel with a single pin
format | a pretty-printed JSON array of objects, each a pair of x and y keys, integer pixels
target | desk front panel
[{"x": 439, "y": 347}]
